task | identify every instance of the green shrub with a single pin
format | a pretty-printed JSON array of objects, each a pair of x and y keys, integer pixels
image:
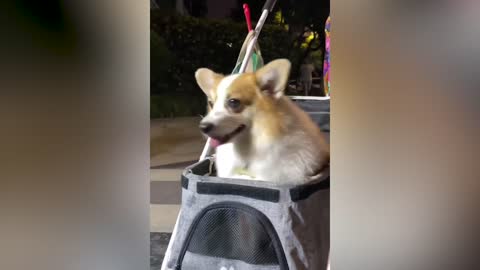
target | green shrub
[
  {"x": 176, "y": 104},
  {"x": 160, "y": 62}
]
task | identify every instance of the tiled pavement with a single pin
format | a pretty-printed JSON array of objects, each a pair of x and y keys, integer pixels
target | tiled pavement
[
  {"x": 158, "y": 246},
  {"x": 174, "y": 144}
]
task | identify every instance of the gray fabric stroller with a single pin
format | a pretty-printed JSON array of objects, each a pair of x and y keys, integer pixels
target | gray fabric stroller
[
  {"x": 236, "y": 224},
  {"x": 244, "y": 224}
]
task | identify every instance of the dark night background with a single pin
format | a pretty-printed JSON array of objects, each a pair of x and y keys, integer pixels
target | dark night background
[{"x": 189, "y": 34}]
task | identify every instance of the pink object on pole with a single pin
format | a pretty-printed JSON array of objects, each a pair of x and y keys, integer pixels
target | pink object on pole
[{"x": 246, "y": 11}]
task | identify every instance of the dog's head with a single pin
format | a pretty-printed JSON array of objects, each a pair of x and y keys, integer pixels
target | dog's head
[{"x": 234, "y": 100}]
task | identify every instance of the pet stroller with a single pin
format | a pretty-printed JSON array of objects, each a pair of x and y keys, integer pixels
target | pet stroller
[{"x": 236, "y": 224}]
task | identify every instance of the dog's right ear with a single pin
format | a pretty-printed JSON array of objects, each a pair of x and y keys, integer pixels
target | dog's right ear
[{"x": 208, "y": 81}]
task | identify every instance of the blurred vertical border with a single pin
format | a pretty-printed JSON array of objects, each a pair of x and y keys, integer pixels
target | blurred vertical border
[{"x": 74, "y": 134}]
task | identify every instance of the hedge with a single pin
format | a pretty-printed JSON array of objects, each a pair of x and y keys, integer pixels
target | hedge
[
  {"x": 177, "y": 104},
  {"x": 194, "y": 43}
]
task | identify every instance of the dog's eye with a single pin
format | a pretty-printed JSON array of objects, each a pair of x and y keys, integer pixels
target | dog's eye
[
  {"x": 233, "y": 103},
  {"x": 210, "y": 103}
]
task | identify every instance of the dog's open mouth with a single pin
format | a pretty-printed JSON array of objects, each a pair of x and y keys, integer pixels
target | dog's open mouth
[{"x": 216, "y": 141}]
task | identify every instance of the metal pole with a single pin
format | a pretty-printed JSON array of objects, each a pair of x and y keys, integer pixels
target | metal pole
[{"x": 253, "y": 41}]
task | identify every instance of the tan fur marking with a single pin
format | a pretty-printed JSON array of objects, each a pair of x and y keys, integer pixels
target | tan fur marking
[
  {"x": 269, "y": 117},
  {"x": 245, "y": 89}
]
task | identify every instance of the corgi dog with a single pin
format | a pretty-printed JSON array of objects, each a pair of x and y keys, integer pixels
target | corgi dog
[{"x": 257, "y": 132}]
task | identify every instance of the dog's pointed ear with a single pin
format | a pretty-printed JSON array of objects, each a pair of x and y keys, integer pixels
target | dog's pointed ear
[
  {"x": 208, "y": 81},
  {"x": 273, "y": 77}
]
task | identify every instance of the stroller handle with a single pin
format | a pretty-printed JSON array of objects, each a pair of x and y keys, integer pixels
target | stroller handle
[{"x": 269, "y": 4}]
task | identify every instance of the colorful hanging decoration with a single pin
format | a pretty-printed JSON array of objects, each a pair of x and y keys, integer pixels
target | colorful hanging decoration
[{"x": 326, "y": 61}]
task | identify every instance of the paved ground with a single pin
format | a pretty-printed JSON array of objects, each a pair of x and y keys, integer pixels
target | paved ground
[
  {"x": 158, "y": 247},
  {"x": 175, "y": 140},
  {"x": 174, "y": 144}
]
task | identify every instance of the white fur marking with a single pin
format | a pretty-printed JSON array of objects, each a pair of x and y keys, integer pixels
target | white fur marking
[
  {"x": 222, "y": 92},
  {"x": 218, "y": 111}
]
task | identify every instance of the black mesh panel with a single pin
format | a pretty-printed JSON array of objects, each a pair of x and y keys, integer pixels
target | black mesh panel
[{"x": 233, "y": 234}]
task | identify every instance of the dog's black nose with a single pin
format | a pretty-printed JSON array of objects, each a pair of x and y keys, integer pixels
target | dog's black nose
[{"x": 206, "y": 127}]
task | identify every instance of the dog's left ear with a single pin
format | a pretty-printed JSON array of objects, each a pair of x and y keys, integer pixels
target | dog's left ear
[
  {"x": 273, "y": 77},
  {"x": 208, "y": 81}
]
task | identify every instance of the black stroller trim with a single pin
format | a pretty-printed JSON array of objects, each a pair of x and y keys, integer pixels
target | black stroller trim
[
  {"x": 202, "y": 167},
  {"x": 184, "y": 182},
  {"x": 303, "y": 192},
  {"x": 259, "y": 193}
]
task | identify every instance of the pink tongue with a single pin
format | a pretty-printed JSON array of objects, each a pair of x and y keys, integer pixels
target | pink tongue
[{"x": 214, "y": 143}]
